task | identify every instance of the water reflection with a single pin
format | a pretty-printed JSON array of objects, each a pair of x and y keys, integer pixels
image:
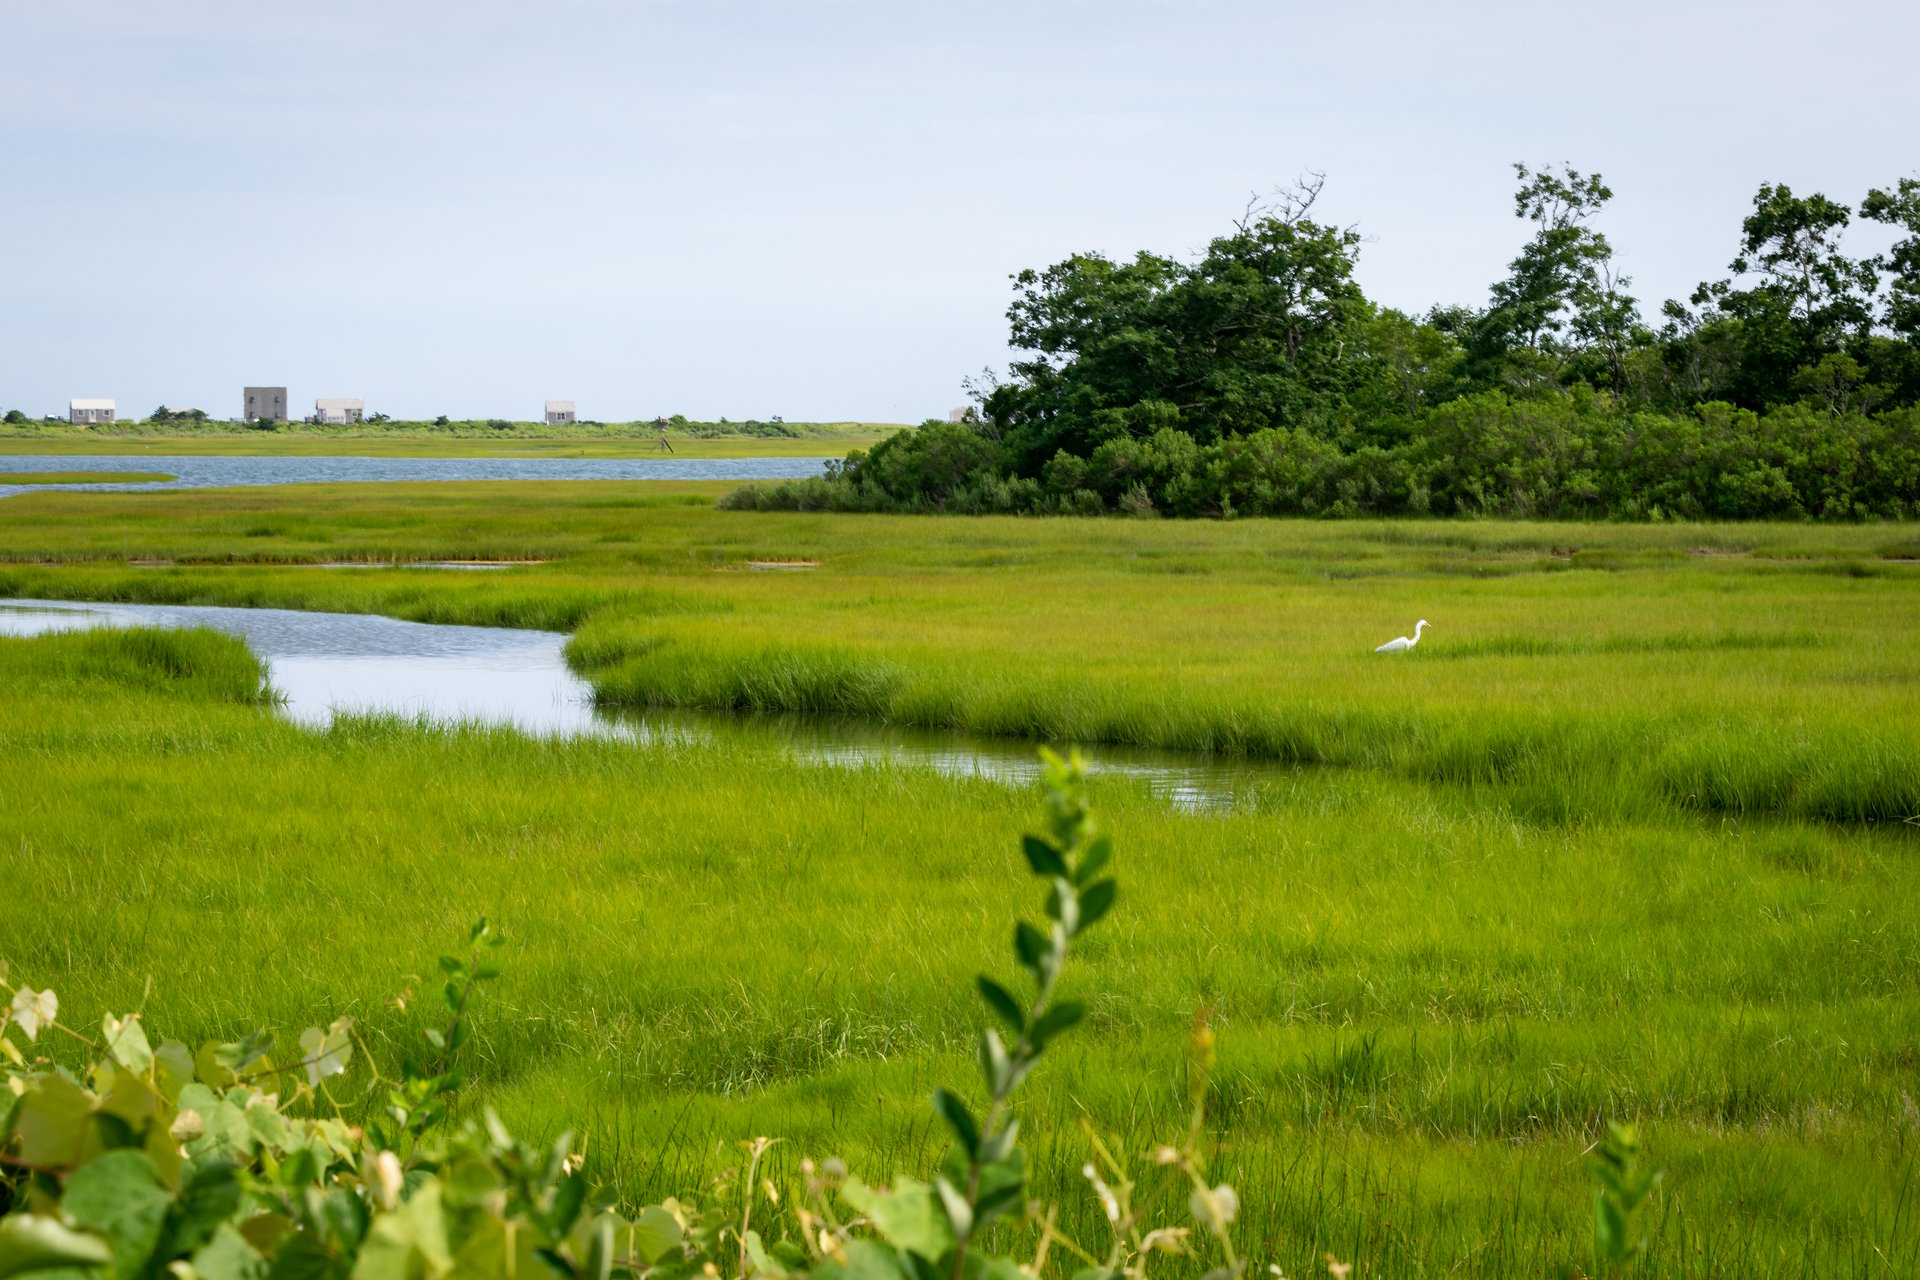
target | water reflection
[{"x": 327, "y": 664}]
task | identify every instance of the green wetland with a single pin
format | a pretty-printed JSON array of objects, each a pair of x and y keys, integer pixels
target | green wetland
[{"x": 1630, "y": 835}]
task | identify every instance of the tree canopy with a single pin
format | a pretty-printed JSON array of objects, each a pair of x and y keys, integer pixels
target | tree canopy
[{"x": 1157, "y": 383}]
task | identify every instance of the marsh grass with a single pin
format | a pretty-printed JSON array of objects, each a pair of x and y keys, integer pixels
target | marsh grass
[
  {"x": 1625, "y": 836},
  {"x": 1429, "y": 1003},
  {"x": 83, "y": 477},
  {"x": 1589, "y": 670}
]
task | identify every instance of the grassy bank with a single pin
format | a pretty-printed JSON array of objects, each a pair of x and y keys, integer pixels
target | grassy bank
[
  {"x": 456, "y": 440},
  {"x": 1428, "y": 1002},
  {"x": 1603, "y": 670},
  {"x": 83, "y": 477}
]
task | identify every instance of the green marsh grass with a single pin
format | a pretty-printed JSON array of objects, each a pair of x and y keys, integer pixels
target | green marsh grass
[
  {"x": 1429, "y": 1002},
  {"x": 1585, "y": 669},
  {"x": 84, "y": 477}
]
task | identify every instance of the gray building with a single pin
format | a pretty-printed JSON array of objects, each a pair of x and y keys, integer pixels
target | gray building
[
  {"x": 339, "y": 410},
  {"x": 84, "y": 413},
  {"x": 265, "y": 404},
  {"x": 559, "y": 411}
]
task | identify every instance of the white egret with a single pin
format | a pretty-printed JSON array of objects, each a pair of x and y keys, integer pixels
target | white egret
[{"x": 1404, "y": 643}]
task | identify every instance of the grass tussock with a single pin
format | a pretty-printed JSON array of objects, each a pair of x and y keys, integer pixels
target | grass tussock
[{"x": 194, "y": 664}]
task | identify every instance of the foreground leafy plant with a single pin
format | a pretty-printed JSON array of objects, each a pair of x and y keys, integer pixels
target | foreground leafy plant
[{"x": 240, "y": 1161}]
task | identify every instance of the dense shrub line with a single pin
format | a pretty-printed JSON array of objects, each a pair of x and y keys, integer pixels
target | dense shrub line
[{"x": 1574, "y": 455}]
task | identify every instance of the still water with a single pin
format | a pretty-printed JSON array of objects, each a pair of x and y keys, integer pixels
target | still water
[
  {"x": 325, "y": 664},
  {"x": 205, "y": 473}
]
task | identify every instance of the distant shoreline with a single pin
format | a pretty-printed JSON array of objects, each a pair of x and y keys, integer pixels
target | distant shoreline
[{"x": 455, "y": 439}]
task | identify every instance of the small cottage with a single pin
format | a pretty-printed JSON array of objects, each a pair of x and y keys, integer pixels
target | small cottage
[
  {"x": 85, "y": 413},
  {"x": 339, "y": 410}
]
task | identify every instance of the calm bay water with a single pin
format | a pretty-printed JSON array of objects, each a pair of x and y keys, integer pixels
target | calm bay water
[
  {"x": 207, "y": 473},
  {"x": 333, "y": 663}
]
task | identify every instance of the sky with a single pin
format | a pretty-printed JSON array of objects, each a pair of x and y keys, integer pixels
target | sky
[{"x": 812, "y": 209}]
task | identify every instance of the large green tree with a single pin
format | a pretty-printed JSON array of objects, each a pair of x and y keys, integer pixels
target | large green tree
[
  {"x": 1563, "y": 309},
  {"x": 1259, "y": 332},
  {"x": 1809, "y": 303}
]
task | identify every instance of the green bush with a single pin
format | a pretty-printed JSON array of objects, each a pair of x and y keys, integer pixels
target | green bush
[{"x": 1574, "y": 455}]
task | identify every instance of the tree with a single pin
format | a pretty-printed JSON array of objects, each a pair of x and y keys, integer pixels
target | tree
[
  {"x": 1794, "y": 244},
  {"x": 1810, "y": 301},
  {"x": 1259, "y": 332},
  {"x": 1900, "y": 208},
  {"x": 1562, "y": 283}
]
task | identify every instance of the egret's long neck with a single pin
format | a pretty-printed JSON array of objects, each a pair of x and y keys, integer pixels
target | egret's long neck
[{"x": 1416, "y": 630}]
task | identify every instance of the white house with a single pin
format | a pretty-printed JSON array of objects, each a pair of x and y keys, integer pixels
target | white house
[
  {"x": 84, "y": 413},
  {"x": 339, "y": 410},
  {"x": 559, "y": 411}
]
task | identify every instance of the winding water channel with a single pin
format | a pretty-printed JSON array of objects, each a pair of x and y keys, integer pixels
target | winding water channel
[
  {"x": 221, "y": 472},
  {"x": 326, "y": 664}
]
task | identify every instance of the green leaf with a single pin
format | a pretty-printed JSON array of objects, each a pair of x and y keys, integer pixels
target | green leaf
[
  {"x": 127, "y": 1042},
  {"x": 209, "y": 1195},
  {"x": 1099, "y": 853},
  {"x": 960, "y": 1119},
  {"x": 1096, "y": 900},
  {"x": 1030, "y": 945},
  {"x": 176, "y": 1067},
  {"x": 1054, "y": 1021},
  {"x": 228, "y": 1256},
  {"x": 326, "y": 1053},
  {"x": 52, "y": 1121},
  {"x": 1609, "y": 1230},
  {"x": 302, "y": 1257},
  {"x": 1001, "y": 1001},
  {"x": 449, "y": 964},
  {"x": 600, "y": 1250},
  {"x": 407, "y": 1242},
  {"x": 1043, "y": 857},
  {"x": 241, "y": 1054},
  {"x": 35, "y": 1242},
  {"x": 453, "y": 996},
  {"x": 1002, "y": 1188},
  {"x": 959, "y": 1212},
  {"x": 567, "y": 1199},
  {"x": 300, "y": 1168},
  {"x": 655, "y": 1232},
  {"x": 865, "y": 1261},
  {"x": 120, "y": 1195},
  {"x": 478, "y": 931},
  {"x": 486, "y": 971},
  {"x": 908, "y": 1217},
  {"x": 208, "y": 1069},
  {"x": 994, "y": 1062}
]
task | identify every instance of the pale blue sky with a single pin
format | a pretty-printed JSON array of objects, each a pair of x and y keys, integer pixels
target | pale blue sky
[{"x": 811, "y": 209}]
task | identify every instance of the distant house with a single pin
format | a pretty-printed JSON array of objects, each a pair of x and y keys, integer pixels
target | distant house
[
  {"x": 265, "y": 404},
  {"x": 559, "y": 411},
  {"x": 84, "y": 413},
  {"x": 337, "y": 410}
]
